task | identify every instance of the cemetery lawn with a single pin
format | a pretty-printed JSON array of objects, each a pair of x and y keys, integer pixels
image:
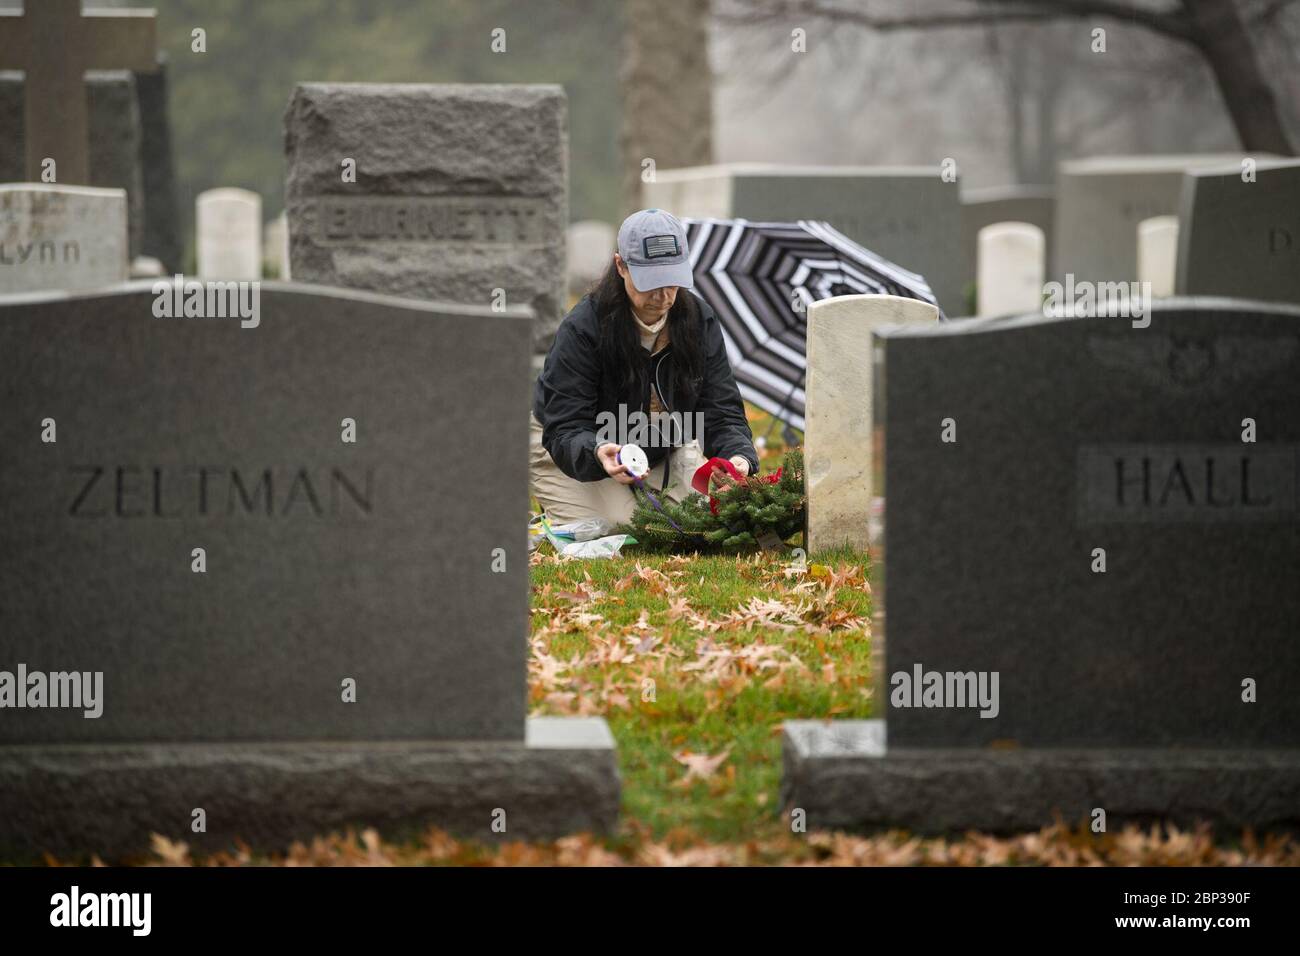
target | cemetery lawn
[{"x": 695, "y": 662}]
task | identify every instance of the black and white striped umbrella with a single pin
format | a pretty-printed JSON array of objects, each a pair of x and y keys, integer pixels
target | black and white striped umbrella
[{"x": 760, "y": 278}]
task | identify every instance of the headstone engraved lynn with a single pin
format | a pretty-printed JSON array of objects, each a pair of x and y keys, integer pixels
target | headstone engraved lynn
[
  {"x": 838, "y": 429},
  {"x": 1158, "y": 684},
  {"x": 228, "y": 224},
  {"x": 1100, "y": 202},
  {"x": 1157, "y": 254},
  {"x": 61, "y": 237},
  {"x": 908, "y": 214},
  {"x": 1241, "y": 238},
  {"x": 1011, "y": 267},
  {"x": 326, "y": 562},
  {"x": 54, "y": 45},
  {"x": 451, "y": 192},
  {"x": 1035, "y": 205}
]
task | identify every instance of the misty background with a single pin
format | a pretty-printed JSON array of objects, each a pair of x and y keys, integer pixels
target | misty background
[{"x": 1007, "y": 101}]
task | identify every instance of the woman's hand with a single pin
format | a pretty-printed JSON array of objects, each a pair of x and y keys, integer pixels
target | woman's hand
[
  {"x": 607, "y": 455},
  {"x": 722, "y": 478}
]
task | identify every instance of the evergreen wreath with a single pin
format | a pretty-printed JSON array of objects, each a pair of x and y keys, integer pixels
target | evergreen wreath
[{"x": 735, "y": 518}]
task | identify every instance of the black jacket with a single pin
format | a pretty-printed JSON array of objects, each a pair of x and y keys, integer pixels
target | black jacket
[{"x": 573, "y": 389}]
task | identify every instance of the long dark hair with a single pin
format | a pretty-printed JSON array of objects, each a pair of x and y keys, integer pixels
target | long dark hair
[{"x": 621, "y": 352}]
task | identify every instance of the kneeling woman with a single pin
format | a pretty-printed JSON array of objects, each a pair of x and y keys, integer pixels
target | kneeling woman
[{"x": 639, "y": 342}]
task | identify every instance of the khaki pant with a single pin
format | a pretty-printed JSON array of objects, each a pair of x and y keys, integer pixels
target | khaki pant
[{"x": 564, "y": 499}]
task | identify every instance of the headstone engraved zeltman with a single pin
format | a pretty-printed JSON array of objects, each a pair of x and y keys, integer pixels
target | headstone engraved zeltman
[
  {"x": 1088, "y": 594},
  {"x": 457, "y": 193},
  {"x": 374, "y": 562},
  {"x": 61, "y": 237}
]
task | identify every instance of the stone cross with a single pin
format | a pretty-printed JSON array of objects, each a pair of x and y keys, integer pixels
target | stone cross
[{"x": 55, "y": 45}]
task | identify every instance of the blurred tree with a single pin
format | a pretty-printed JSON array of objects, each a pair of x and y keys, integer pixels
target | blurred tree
[
  {"x": 667, "y": 86},
  {"x": 1215, "y": 29},
  {"x": 227, "y": 103}
]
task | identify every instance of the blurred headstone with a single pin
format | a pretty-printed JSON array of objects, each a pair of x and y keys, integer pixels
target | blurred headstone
[
  {"x": 460, "y": 192},
  {"x": 591, "y": 250},
  {"x": 1035, "y": 205},
  {"x": 129, "y": 143},
  {"x": 275, "y": 247},
  {"x": 908, "y": 215},
  {"x": 228, "y": 223},
  {"x": 61, "y": 237},
  {"x": 147, "y": 267},
  {"x": 1241, "y": 237},
  {"x": 1011, "y": 266},
  {"x": 162, "y": 227},
  {"x": 1100, "y": 202},
  {"x": 839, "y": 436},
  {"x": 54, "y": 44},
  {"x": 1157, "y": 253}
]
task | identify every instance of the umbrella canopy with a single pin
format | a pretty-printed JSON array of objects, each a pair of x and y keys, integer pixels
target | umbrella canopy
[{"x": 760, "y": 278}]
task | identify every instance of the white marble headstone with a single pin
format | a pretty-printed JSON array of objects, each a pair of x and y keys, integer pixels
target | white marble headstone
[
  {"x": 61, "y": 237},
  {"x": 229, "y": 239},
  {"x": 1009, "y": 273},
  {"x": 838, "y": 428},
  {"x": 1157, "y": 256}
]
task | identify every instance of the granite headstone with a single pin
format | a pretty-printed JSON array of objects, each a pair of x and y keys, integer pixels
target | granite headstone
[
  {"x": 1242, "y": 237},
  {"x": 1100, "y": 202},
  {"x": 460, "y": 192},
  {"x": 1086, "y": 586},
  {"x": 353, "y": 648},
  {"x": 162, "y": 229}
]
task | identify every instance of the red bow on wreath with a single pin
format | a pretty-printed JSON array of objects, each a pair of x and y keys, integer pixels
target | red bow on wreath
[{"x": 700, "y": 482}]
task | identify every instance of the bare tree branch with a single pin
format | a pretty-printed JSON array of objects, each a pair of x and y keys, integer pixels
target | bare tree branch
[
  {"x": 1269, "y": 12},
  {"x": 1170, "y": 22}
]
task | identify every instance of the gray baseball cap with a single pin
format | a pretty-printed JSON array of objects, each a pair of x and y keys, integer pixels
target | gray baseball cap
[{"x": 653, "y": 244}]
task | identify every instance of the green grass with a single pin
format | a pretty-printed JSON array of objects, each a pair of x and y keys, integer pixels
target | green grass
[{"x": 816, "y": 669}]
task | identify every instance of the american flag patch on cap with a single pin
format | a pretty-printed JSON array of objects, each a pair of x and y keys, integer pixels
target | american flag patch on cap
[{"x": 658, "y": 247}]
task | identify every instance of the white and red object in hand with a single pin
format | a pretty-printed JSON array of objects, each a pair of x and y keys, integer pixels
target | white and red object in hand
[{"x": 638, "y": 465}]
